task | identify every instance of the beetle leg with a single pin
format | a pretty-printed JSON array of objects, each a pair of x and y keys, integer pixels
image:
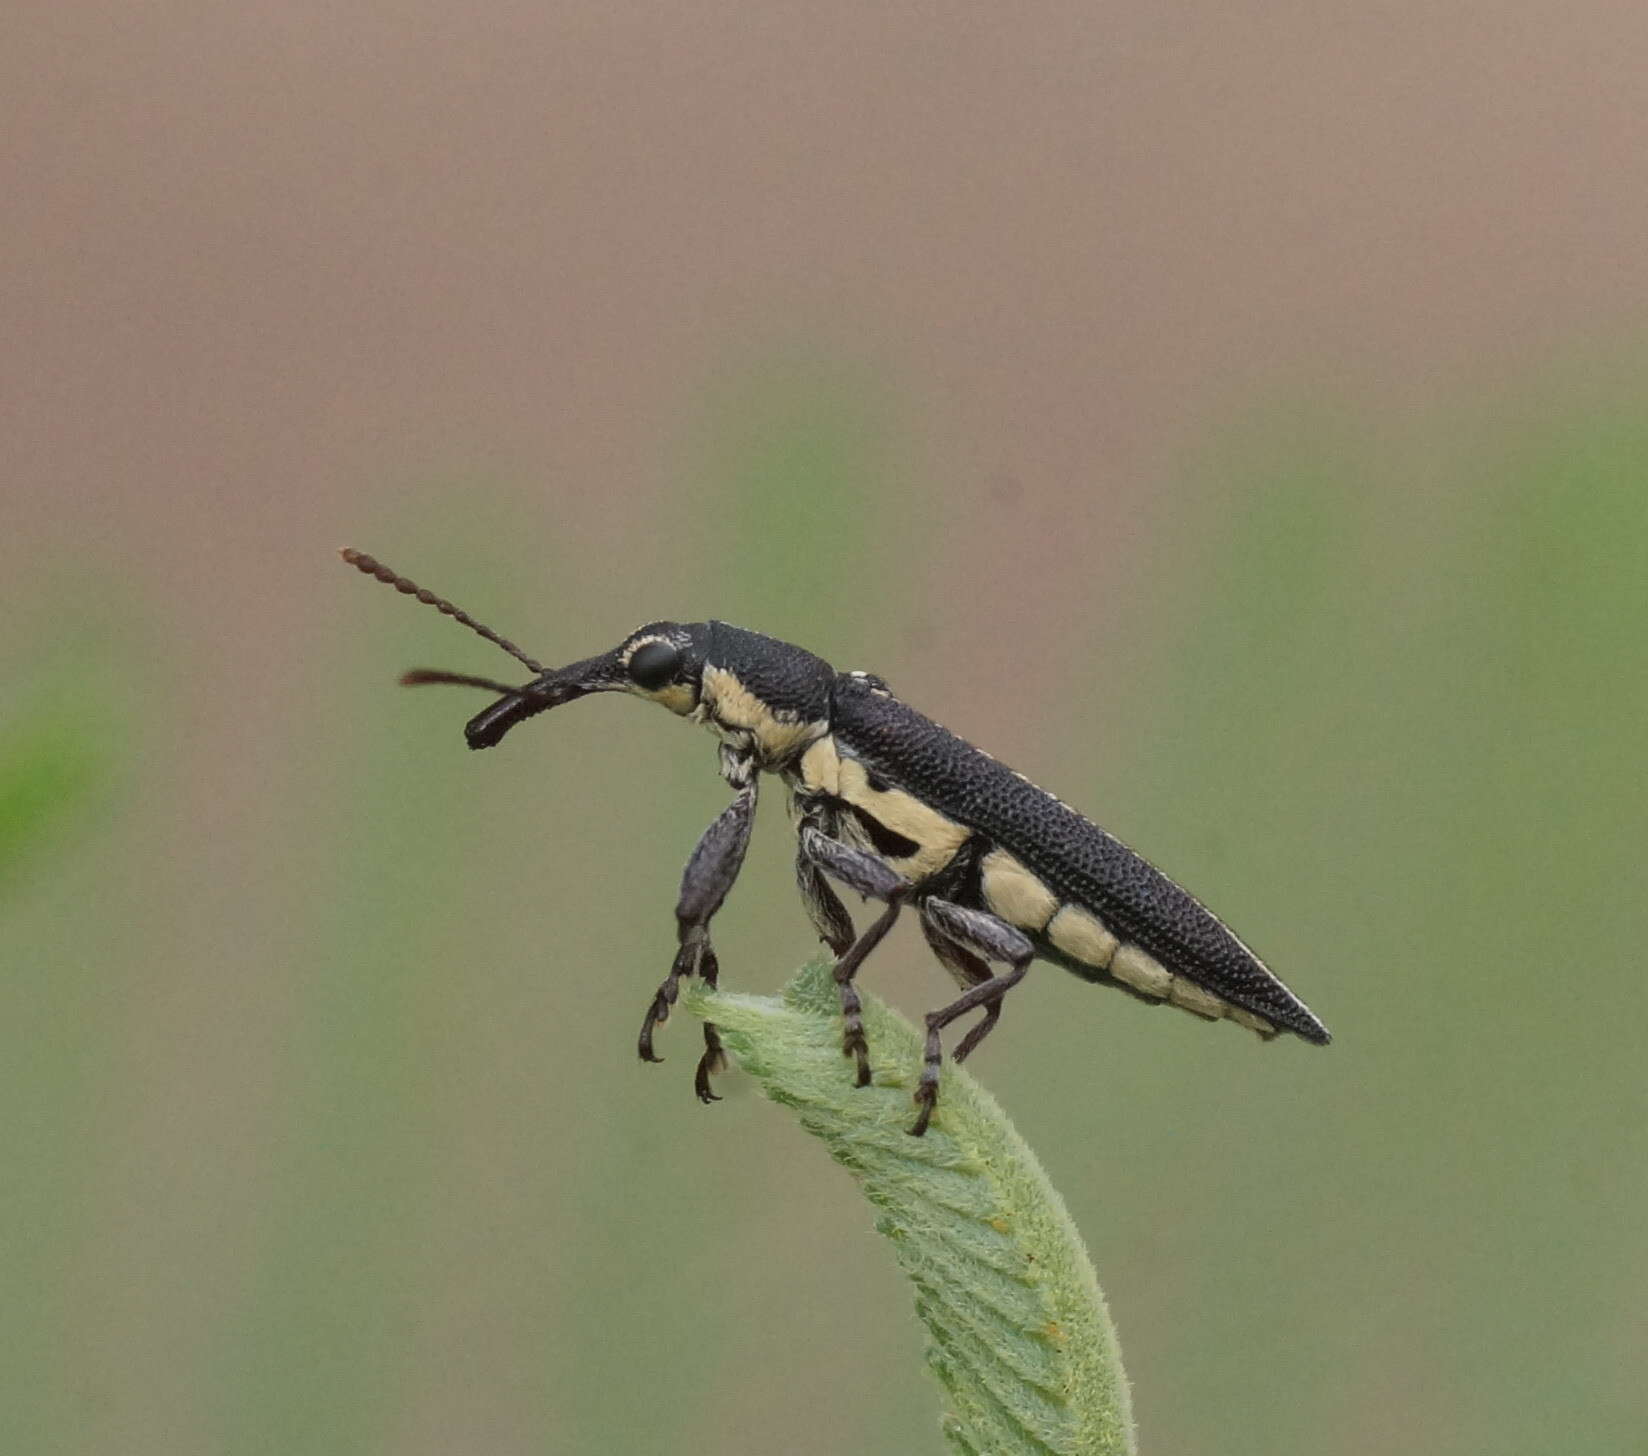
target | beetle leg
[
  {"x": 874, "y": 879},
  {"x": 965, "y": 968},
  {"x": 853, "y": 1041},
  {"x": 709, "y": 875},
  {"x": 981, "y": 936},
  {"x": 714, "y": 1059},
  {"x": 824, "y": 908}
]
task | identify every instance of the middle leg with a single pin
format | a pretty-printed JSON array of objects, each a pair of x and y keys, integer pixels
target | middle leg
[{"x": 871, "y": 877}]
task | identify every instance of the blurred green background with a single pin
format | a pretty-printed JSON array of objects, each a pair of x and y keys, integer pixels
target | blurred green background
[{"x": 1233, "y": 417}]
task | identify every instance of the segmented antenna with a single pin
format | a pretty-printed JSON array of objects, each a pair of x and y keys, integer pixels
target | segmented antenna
[{"x": 373, "y": 567}]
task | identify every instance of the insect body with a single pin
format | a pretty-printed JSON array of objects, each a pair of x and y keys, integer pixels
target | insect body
[{"x": 898, "y": 809}]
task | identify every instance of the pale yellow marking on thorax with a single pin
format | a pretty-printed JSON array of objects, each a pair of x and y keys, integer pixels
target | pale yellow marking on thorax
[
  {"x": 937, "y": 835},
  {"x": 820, "y": 767},
  {"x": 777, "y": 735},
  {"x": 1082, "y": 934},
  {"x": 1014, "y": 893}
]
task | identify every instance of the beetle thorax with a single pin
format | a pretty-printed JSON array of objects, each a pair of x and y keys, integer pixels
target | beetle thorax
[{"x": 739, "y": 717}]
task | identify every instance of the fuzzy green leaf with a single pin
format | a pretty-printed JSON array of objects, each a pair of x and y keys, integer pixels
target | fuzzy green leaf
[{"x": 1019, "y": 1336}]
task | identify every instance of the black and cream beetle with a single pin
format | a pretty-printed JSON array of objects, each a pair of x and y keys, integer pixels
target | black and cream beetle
[{"x": 900, "y": 810}]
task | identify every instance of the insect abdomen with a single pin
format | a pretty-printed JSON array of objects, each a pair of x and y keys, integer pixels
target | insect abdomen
[
  {"x": 1079, "y": 940},
  {"x": 1073, "y": 869}
]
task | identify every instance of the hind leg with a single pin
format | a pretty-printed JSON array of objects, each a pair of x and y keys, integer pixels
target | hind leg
[{"x": 975, "y": 938}]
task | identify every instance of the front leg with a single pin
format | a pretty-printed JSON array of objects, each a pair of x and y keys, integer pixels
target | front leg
[
  {"x": 872, "y": 878},
  {"x": 709, "y": 875}
]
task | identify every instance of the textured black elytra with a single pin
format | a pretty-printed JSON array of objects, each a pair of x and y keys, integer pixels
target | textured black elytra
[{"x": 957, "y": 810}]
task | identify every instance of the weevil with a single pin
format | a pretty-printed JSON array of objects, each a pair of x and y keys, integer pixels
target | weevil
[{"x": 897, "y": 809}]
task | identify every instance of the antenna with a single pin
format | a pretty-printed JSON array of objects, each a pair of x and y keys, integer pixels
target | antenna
[
  {"x": 412, "y": 677},
  {"x": 373, "y": 567}
]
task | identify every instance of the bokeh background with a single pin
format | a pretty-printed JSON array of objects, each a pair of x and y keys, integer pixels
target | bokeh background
[{"x": 1233, "y": 415}]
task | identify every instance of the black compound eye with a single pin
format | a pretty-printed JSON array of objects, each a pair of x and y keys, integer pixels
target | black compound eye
[{"x": 653, "y": 664}]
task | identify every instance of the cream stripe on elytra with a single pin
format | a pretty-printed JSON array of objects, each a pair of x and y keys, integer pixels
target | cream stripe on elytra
[
  {"x": 1144, "y": 973},
  {"x": 1082, "y": 934},
  {"x": 1014, "y": 893},
  {"x": 937, "y": 836},
  {"x": 1193, "y": 998}
]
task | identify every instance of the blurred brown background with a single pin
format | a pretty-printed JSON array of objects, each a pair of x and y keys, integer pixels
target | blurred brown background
[{"x": 1232, "y": 415}]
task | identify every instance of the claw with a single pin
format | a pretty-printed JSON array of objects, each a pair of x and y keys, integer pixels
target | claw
[
  {"x": 854, "y": 1045},
  {"x": 657, "y": 1015},
  {"x": 713, "y": 1060},
  {"x": 926, "y": 1098}
]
